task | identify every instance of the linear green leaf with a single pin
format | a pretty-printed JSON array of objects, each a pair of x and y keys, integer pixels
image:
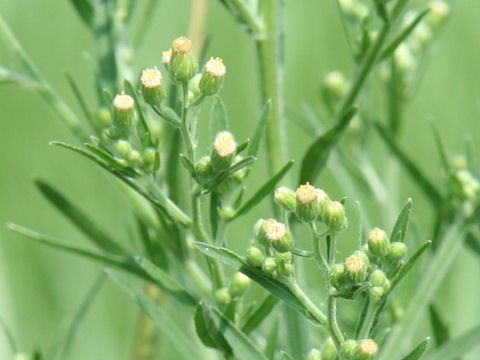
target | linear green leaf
[
  {"x": 260, "y": 313},
  {"x": 260, "y": 130},
  {"x": 183, "y": 345},
  {"x": 456, "y": 347},
  {"x": 265, "y": 190},
  {"x": 110, "y": 160},
  {"x": 232, "y": 169},
  {"x": 441, "y": 332},
  {"x": 167, "y": 283},
  {"x": 79, "y": 219},
  {"x": 441, "y": 150},
  {"x": 9, "y": 336},
  {"x": 400, "y": 228},
  {"x": 418, "y": 351},
  {"x": 218, "y": 119},
  {"x": 272, "y": 341},
  {"x": 81, "y": 100},
  {"x": 85, "y": 11},
  {"x": 208, "y": 331},
  {"x": 317, "y": 154}
]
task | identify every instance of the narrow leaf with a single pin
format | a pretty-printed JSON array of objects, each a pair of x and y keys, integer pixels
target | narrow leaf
[
  {"x": 317, "y": 154},
  {"x": 441, "y": 150},
  {"x": 181, "y": 343},
  {"x": 187, "y": 164},
  {"x": 232, "y": 169},
  {"x": 167, "y": 283},
  {"x": 218, "y": 119},
  {"x": 418, "y": 351},
  {"x": 85, "y": 11},
  {"x": 457, "y": 347},
  {"x": 272, "y": 341},
  {"x": 400, "y": 229},
  {"x": 9, "y": 336},
  {"x": 79, "y": 219},
  {"x": 285, "y": 356},
  {"x": 81, "y": 100},
  {"x": 260, "y": 130},
  {"x": 113, "y": 162},
  {"x": 260, "y": 314},
  {"x": 265, "y": 190},
  {"x": 441, "y": 333},
  {"x": 208, "y": 331},
  {"x": 416, "y": 174}
]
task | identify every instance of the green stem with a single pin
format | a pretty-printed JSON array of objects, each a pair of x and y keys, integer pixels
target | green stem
[
  {"x": 333, "y": 326},
  {"x": 309, "y": 305},
  {"x": 319, "y": 258},
  {"x": 256, "y": 26},
  {"x": 270, "y": 66}
]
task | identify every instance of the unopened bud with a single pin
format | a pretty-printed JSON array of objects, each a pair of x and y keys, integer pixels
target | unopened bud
[
  {"x": 212, "y": 76},
  {"x": 183, "y": 64},
  {"x": 404, "y": 59},
  {"x": 152, "y": 88},
  {"x": 329, "y": 351},
  {"x": 335, "y": 217},
  {"x": 314, "y": 354},
  {"x": 123, "y": 149},
  {"x": 239, "y": 285},
  {"x": 367, "y": 349},
  {"x": 270, "y": 266},
  {"x": 134, "y": 158},
  {"x": 222, "y": 296},
  {"x": 396, "y": 251},
  {"x": 307, "y": 205},
  {"x": 277, "y": 234},
  {"x": 378, "y": 242},
  {"x": 337, "y": 273},
  {"x": 224, "y": 149},
  {"x": 204, "y": 170},
  {"x": 286, "y": 198},
  {"x": 123, "y": 105},
  {"x": 439, "y": 11},
  {"x": 255, "y": 256},
  {"x": 377, "y": 292},
  {"x": 148, "y": 158},
  {"x": 103, "y": 118},
  {"x": 378, "y": 278},
  {"x": 355, "y": 268},
  {"x": 349, "y": 349},
  {"x": 336, "y": 84},
  {"x": 323, "y": 201},
  {"x": 241, "y": 174}
]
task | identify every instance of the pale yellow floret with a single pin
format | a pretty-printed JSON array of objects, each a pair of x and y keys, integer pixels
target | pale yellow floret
[
  {"x": 274, "y": 230},
  {"x": 306, "y": 194},
  {"x": 123, "y": 102},
  {"x": 166, "y": 56},
  {"x": 334, "y": 207},
  {"x": 181, "y": 45},
  {"x": 354, "y": 264},
  {"x": 225, "y": 145},
  {"x": 151, "y": 78},
  {"x": 215, "y": 67},
  {"x": 368, "y": 346},
  {"x": 376, "y": 235}
]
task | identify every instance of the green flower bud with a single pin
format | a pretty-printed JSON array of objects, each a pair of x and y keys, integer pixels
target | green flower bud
[
  {"x": 396, "y": 251},
  {"x": 212, "y": 76},
  {"x": 323, "y": 201},
  {"x": 278, "y": 235},
  {"x": 378, "y": 278},
  {"x": 329, "y": 351},
  {"x": 377, "y": 292},
  {"x": 227, "y": 213},
  {"x": 123, "y": 149},
  {"x": 135, "y": 158},
  {"x": 239, "y": 285},
  {"x": 355, "y": 268},
  {"x": 337, "y": 273},
  {"x": 378, "y": 242},
  {"x": 307, "y": 205},
  {"x": 241, "y": 174},
  {"x": 336, "y": 84},
  {"x": 367, "y": 349},
  {"x": 335, "y": 217},
  {"x": 314, "y": 354},
  {"x": 270, "y": 266},
  {"x": 255, "y": 256},
  {"x": 288, "y": 269},
  {"x": 123, "y": 105},
  {"x": 286, "y": 198},
  {"x": 103, "y": 118},
  {"x": 183, "y": 64},
  {"x": 222, "y": 296},
  {"x": 204, "y": 170},
  {"x": 224, "y": 149},
  {"x": 152, "y": 88},
  {"x": 404, "y": 59},
  {"x": 148, "y": 158},
  {"x": 349, "y": 349},
  {"x": 439, "y": 11}
]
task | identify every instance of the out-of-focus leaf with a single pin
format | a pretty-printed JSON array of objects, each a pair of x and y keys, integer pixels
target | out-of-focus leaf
[
  {"x": 285, "y": 356},
  {"x": 260, "y": 130},
  {"x": 272, "y": 341},
  {"x": 441, "y": 333},
  {"x": 400, "y": 229},
  {"x": 317, "y": 154},
  {"x": 81, "y": 101},
  {"x": 418, "y": 351},
  {"x": 208, "y": 331},
  {"x": 178, "y": 340},
  {"x": 80, "y": 219},
  {"x": 472, "y": 240},
  {"x": 265, "y": 190},
  {"x": 9, "y": 336},
  {"x": 456, "y": 347},
  {"x": 441, "y": 150},
  {"x": 260, "y": 313},
  {"x": 85, "y": 11},
  {"x": 218, "y": 119}
]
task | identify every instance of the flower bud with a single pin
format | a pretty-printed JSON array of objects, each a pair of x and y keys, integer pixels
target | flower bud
[
  {"x": 270, "y": 266},
  {"x": 134, "y": 158},
  {"x": 212, "y": 76},
  {"x": 354, "y": 9},
  {"x": 355, "y": 268},
  {"x": 103, "y": 118},
  {"x": 323, "y": 200},
  {"x": 241, "y": 174},
  {"x": 286, "y": 198},
  {"x": 337, "y": 273},
  {"x": 329, "y": 351},
  {"x": 224, "y": 149},
  {"x": 148, "y": 158},
  {"x": 396, "y": 251},
  {"x": 378, "y": 278},
  {"x": 307, "y": 205},
  {"x": 439, "y": 11},
  {"x": 123, "y": 105},
  {"x": 239, "y": 285},
  {"x": 204, "y": 170},
  {"x": 255, "y": 256},
  {"x": 314, "y": 354},
  {"x": 335, "y": 217},
  {"x": 367, "y": 349},
  {"x": 123, "y": 149},
  {"x": 194, "y": 87},
  {"x": 377, "y": 292},
  {"x": 152, "y": 88},
  {"x": 404, "y": 59},
  {"x": 378, "y": 242},
  {"x": 336, "y": 84},
  {"x": 349, "y": 349},
  {"x": 222, "y": 296},
  {"x": 277, "y": 234},
  {"x": 183, "y": 64},
  {"x": 166, "y": 57}
]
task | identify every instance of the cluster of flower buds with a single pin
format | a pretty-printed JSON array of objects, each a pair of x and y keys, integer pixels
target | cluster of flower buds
[
  {"x": 238, "y": 286},
  {"x": 312, "y": 204},
  {"x": 273, "y": 254},
  {"x": 144, "y": 160},
  {"x": 328, "y": 352},
  {"x": 369, "y": 266},
  {"x": 466, "y": 190},
  {"x": 364, "y": 349}
]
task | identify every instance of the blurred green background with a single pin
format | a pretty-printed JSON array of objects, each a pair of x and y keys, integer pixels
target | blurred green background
[{"x": 40, "y": 288}]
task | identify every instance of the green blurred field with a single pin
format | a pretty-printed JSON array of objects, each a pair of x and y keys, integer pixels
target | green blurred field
[{"x": 41, "y": 288}]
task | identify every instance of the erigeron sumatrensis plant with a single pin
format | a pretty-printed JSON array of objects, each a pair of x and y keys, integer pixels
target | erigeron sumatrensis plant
[{"x": 122, "y": 137}]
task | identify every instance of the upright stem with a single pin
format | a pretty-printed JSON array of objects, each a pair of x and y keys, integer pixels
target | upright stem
[
  {"x": 335, "y": 331},
  {"x": 270, "y": 65},
  {"x": 309, "y": 305}
]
